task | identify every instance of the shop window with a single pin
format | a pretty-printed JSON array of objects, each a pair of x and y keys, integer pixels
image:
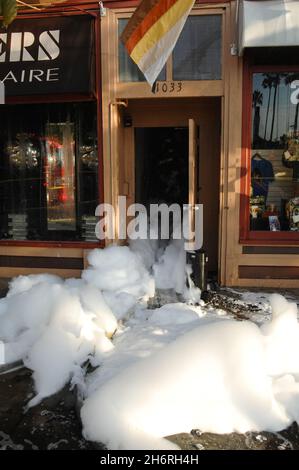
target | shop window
[
  {"x": 128, "y": 70},
  {"x": 197, "y": 54},
  {"x": 49, "y": 172},
  {"x": 274, "y": 152}
]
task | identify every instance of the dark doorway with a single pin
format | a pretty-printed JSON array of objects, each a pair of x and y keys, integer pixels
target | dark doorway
[
  {"x": 161, "y": 171},
  {"x": 157, "y": 120}
]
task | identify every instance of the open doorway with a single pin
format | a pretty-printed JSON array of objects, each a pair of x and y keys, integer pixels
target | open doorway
[
  {"x": 177, "y": 128},
  {"x": 161, "y": 170}
]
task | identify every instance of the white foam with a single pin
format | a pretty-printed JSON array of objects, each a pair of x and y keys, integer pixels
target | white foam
[{"x": 217, "y": 377}]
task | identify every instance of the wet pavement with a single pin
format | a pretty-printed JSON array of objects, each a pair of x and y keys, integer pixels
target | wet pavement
[
  {"x": 52, "y": 425},
  {"x": 285, "y": 440},
  {"x": 55, "y": 425}
]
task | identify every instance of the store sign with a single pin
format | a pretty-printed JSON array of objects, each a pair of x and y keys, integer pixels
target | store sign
[{"x": 53, "y": 55}]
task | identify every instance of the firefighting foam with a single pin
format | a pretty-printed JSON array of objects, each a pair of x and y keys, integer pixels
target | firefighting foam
[{"x": 178, "y": 367}]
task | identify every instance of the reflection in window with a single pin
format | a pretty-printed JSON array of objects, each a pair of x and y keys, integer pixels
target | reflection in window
[
  {"x": 197, "y": 54},
  {"x": 128, "y": 70},
  {"x": 60, "y": 176},
  {"x": 48, "y": 172},
  {"x": 274, "y": 198}
]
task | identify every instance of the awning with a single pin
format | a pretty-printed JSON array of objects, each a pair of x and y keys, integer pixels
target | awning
[{"x": 268, "y": 23}]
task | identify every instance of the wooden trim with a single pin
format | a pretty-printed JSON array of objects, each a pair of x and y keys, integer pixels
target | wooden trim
[
  {"x": 107, "y": 81},
  {"x": 207, "y": 10},
  {"x": 55, "y": 98},
  {"x": 202, "y": 9},
  {"x": 50, "y": 244},
  {"x": 269, "y": 250},
  {"x": 270, "y": 238},
  {"x": 134, "y": 3},
  {"x": 193, "y": 166},
  {"x": 53, "y": 11},
  {"x": 244, "y": 178},
  {"x": 268, "y": 259},
  {"x": 109, "y": 110},
  {"x": 127, "y": 90},
  {"x": 230, "y": 163},
  {"x": 208, "y": 88},
  {"x": 98, "y": 89},
  {"x": 169, "y": 68},
  {"x": 40, "y": 262},
  {"x": 269, "y": 272},
  {"x": 42, "y": 251},
  {"x": 247, "y": 236},
  {"x": 224, "y": 151},
  {"x": 271, "y": 68},
  {"x": 12, "y": 272},
  {"x": 267, "y": 283}
]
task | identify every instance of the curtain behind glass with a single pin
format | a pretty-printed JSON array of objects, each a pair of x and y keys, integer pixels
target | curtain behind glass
[{"x": 197, "y": 54}]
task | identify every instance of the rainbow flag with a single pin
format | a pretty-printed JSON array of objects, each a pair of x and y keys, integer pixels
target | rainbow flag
[{"x": 152, "y": 33}]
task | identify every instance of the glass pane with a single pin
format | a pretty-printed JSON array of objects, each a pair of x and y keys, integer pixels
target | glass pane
[
  {"x": 87, "y": 171},
  {"x": 48, "y": 171},
  {"x": 128, "y": 70},
  {"x": 60, "y": 176},
  {"x": 274, "y": 198},
  {"x": 197, "y": 54}
]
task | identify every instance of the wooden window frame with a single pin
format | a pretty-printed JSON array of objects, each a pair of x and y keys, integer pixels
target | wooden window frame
[
  {"x": 247, "y": 236},
  {"x": 134, "y": 3},
  {"x": 192, "y": 88},
  {"x": 67, "y": 98}
]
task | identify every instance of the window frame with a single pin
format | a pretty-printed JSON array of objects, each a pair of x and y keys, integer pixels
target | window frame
[
  {"x": 67, "y": 97},
  {"x": 191, "y": 87},
  {"x": 247, "y": 236}
]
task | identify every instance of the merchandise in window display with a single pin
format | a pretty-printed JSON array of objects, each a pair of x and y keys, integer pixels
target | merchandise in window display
[
  {"x": 290, "y": 157},
  {"x": 261, "y": 175},
  {"x": 274, "y": 223},
  {"x": 89, "y": 156},
  {"x": 49, "y": 171},
  {"x": 23, "y": 153},
  {"x": 292, "y": 210},
  {"x": 257, "y": 206},
  {"x": 274, "y": 146}
]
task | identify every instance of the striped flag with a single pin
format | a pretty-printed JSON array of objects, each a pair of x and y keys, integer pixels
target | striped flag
[{"x": 152, "y": 33}]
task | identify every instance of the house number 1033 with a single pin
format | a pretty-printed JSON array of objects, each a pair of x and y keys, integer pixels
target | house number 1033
[{"x": 169, "y": 87}]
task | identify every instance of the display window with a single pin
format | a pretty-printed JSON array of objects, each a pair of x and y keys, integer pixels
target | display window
[
  {"x": 271, "y": 155},
  {"x": 49, "y": 185}
]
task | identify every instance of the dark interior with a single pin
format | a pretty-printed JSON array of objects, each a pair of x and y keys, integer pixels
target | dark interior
[{"x": 161, "y": 165}]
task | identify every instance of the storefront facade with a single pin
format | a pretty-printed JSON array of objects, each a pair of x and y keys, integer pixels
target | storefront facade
[
  {"x": 269, "y": 178},
  {"x": 156, "y": 138},
  {"x": 238, "y": 98},
  {"x": 223, "y": 106},
  {"x": 50, "y": 140}
]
